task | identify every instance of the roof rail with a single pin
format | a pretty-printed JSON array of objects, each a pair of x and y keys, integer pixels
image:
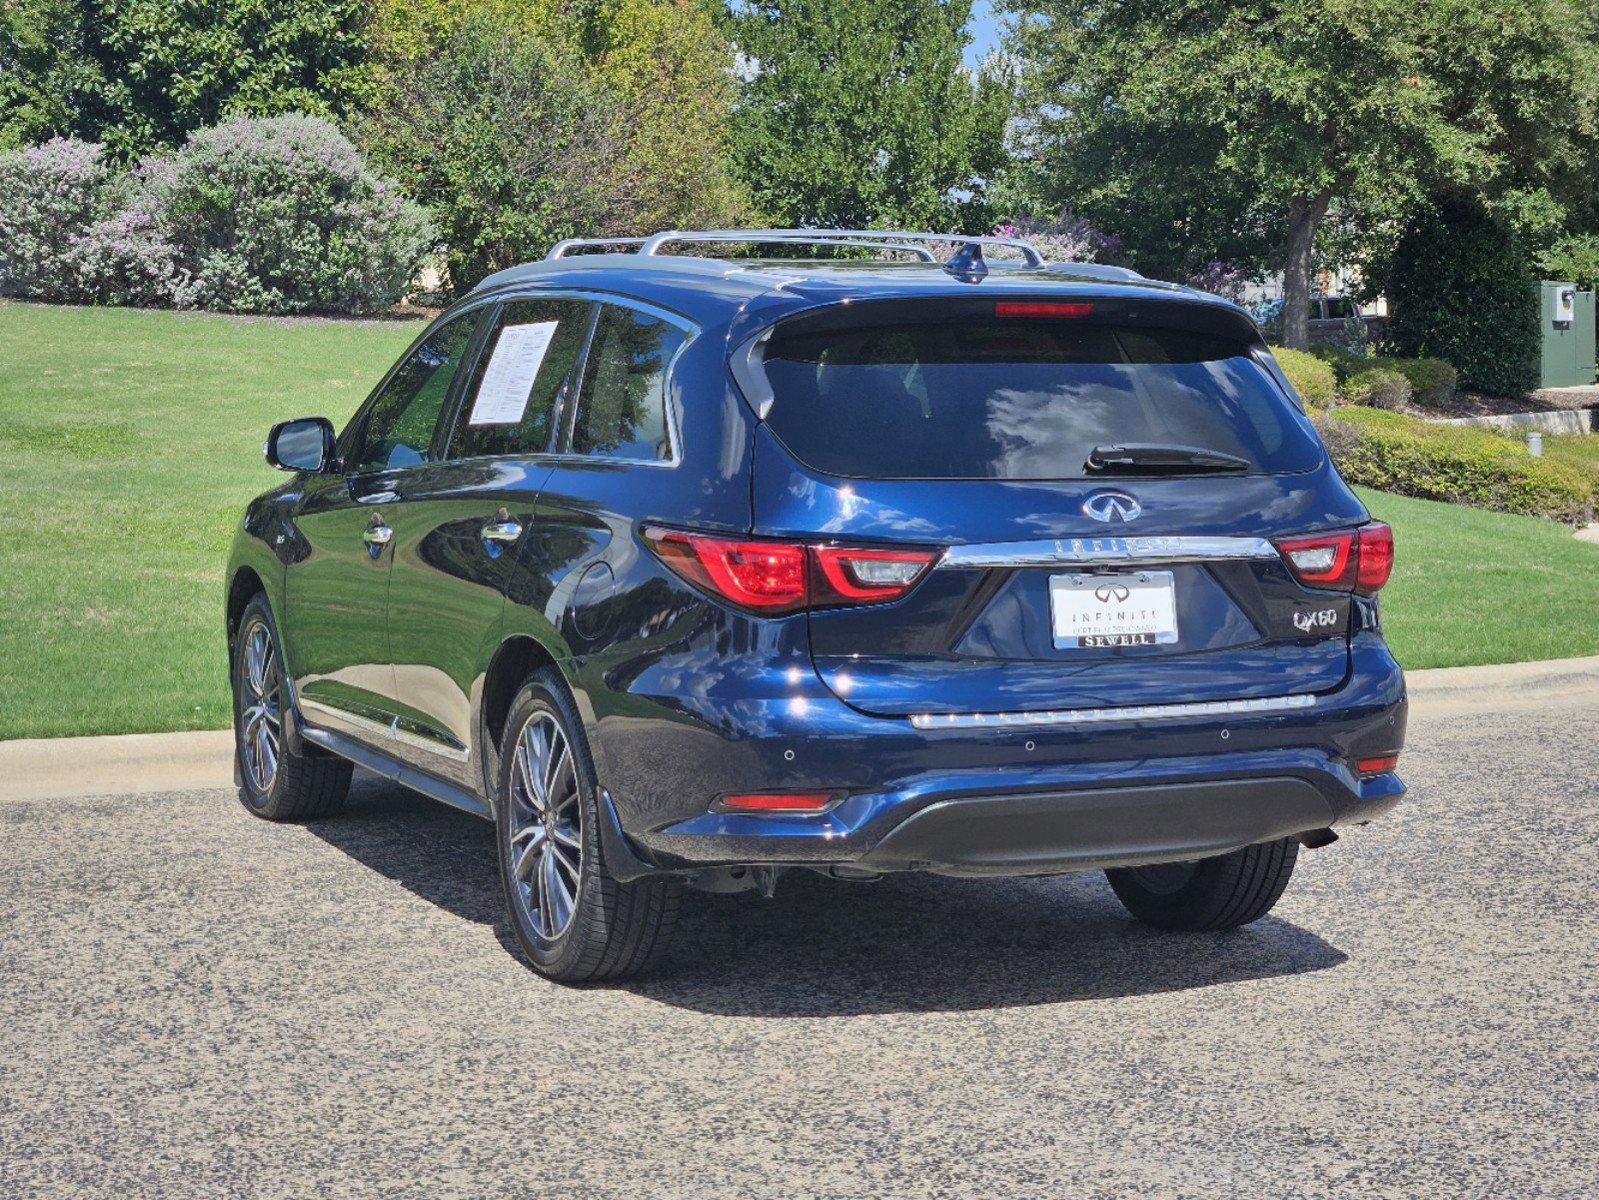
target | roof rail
[{"x": 871, "y": 239}]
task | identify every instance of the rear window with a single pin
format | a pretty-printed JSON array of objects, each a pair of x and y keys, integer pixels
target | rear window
[{"x": 977, "y": 395}]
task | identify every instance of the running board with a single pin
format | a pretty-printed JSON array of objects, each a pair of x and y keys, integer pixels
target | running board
[{"x": 381, "y": 764}]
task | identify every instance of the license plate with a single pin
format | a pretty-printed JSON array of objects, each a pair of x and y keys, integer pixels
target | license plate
[{"x": 1136, "y": 609}]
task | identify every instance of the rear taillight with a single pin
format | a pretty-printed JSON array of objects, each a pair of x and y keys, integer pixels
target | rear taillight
[
  {"x": 778, "y": 577},
  {"x": 1358, "y": 560}
]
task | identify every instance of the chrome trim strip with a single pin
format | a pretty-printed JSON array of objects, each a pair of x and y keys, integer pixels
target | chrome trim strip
[
  {"x": 390, "y": 731},
  {"x": 1106, "y": 550},
  {"x": 1100, "y": 716}
]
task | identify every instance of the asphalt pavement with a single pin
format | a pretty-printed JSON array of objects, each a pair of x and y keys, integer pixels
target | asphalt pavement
[{"x": 197, "y": 1003}]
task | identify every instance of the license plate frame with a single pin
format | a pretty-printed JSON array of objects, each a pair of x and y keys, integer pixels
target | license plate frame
[{"x": 1092, "y": 611}]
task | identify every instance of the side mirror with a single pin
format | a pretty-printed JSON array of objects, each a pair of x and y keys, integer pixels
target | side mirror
[{"x": 303, "y": 445}]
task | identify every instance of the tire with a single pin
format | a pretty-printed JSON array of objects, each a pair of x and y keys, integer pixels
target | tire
[
  {"x": 291, "y": 787},
  {"x": 574, "y": 922},
  {"x": 1212, "y": 893}
]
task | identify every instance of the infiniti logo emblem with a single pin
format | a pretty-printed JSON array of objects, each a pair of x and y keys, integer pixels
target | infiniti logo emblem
[
  {"x": 1104, "y": 592},
  {"x": 1112, "y": 506}
]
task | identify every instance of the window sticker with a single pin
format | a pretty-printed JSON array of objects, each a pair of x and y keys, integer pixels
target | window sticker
[{"x": 518, "y": 353}]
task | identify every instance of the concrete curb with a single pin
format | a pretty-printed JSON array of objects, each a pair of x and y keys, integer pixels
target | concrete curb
[
  {"x": 53, "y": 768},
  {"x": 46, "y": 768}
]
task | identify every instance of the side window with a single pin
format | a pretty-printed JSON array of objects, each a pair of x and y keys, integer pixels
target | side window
[
  {"x": 621, "y": 408},
  {"x": 510, "y": 406},
  {"x": 399, "y": 425}
]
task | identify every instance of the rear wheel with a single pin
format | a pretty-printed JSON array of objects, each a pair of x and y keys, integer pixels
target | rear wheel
[
  {"x": 575, "y": 923},
  {"x": 275, "y": 782},
  {"x": 1211, "y": 893}
]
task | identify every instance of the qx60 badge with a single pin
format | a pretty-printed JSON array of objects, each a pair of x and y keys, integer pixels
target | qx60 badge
[{"x": 1112, "y": 506}]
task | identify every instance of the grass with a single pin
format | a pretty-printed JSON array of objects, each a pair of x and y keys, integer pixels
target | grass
[
  {"x": 130, "y": 441},
  {"x": 1471, "y": 586}
]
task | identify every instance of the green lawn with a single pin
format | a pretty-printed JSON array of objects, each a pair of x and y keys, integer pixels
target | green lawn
[
  {"x": 129, "y": 442},
  {"x": 1480, "y": 587}
]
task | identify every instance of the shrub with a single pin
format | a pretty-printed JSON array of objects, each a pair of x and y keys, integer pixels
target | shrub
[
  {"x": 1312, "y": 379},
  {"x": 50, "y": 196},
  {"x": 1340, "y": 358},
  {"x": 1378, "y": 387},
  {"x": 280, "y": 215},
  {"x": 1432, "y": 380},
  {"x": 1461, "y": 289},
  {"x": 1397, "y": 453}
]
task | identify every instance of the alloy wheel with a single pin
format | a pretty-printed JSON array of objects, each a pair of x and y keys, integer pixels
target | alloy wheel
[
  {"x": 545, "y": 843},
  {"x": 260, "y": 715}
]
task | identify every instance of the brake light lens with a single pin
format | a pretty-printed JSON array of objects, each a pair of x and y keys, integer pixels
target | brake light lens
[
  {"x": 1042, "y": 308},
  {"x": 773, "y": 577},
  {"x": 1358, "y": 560},
  {"x": 1376, "y": 557}
]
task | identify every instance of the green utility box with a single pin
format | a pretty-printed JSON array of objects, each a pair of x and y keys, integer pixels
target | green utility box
[{"x": 1565, "y": 317}]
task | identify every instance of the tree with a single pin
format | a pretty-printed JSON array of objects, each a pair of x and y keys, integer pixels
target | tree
[
  {"x": 1462, "y": 289},
  {"x": 141, "y": 74},
  {"x": 1251, "y": 120},
  {"x": 855, "y": 113},
  {"x": 506, "y": 141},
  {"x": 639, "y": 90}
]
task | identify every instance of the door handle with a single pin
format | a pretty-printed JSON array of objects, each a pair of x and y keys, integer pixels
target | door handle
[{"x": 505, "y": 532}]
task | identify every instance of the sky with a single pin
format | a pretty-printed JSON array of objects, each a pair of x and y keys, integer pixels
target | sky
[{"x": 985, "y": 32}]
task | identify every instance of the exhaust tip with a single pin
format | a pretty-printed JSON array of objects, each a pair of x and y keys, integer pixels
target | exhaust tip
[{"x": 1315, "y": 839}]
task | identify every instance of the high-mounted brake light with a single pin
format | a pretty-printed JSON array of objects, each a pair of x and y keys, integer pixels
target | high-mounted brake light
[
  {"x": 1042, "y": 308},
  {"x": 1358, "y": 560},
  {"x": 773, "y": 577}
]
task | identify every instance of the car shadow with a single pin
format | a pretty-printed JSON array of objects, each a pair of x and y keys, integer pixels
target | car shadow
[{"x": 823, "y": 947}]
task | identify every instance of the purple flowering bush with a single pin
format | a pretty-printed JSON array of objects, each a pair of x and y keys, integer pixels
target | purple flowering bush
[
  {"x": 273, "y": 215},
  {"x": 281, "y": 215},
  {"x": 1064, "y": 238},
  {"x": 50, "y": 196}
]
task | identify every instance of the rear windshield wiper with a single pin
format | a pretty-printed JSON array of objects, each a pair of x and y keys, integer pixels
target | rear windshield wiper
[{"x": 1139, "y": 458}]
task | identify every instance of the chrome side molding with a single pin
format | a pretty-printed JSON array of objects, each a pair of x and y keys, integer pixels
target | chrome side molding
[
  {"x": 1102, "y": 716},
  {"x": 1106, "y": 550}
]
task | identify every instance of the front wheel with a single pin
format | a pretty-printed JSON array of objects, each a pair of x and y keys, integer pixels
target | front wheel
[
  {"x": 1212, "y": 893},
  {"x": 574, "y": 922},
  {"x": 275, "y": 782}
]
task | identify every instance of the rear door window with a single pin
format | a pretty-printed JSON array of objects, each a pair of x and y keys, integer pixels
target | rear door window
[
  {"x": 621, "y": 407},
  {"x": 527, "y": 360},
  {"x": 971, "y": 394}
]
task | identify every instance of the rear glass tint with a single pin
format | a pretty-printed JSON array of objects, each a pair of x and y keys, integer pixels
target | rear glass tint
[{"x": 979, "y": 396}]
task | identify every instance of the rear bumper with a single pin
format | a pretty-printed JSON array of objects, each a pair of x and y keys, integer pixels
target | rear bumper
[
  {"x": 1001, "y": 801},
  {"x": 1096, "y": 828}
]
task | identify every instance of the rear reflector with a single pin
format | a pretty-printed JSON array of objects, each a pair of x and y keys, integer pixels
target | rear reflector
[
  {"x": 1042, "y": 308},
  {"x": 1380, "y": 765},
  {"x": 778, "y": 801},
  {"x": 772, "y": 577},
  {"x": 1358, "y": 560}
]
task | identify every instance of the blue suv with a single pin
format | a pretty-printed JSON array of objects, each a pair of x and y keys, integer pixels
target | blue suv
[{"x": 686, "y": 571}]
